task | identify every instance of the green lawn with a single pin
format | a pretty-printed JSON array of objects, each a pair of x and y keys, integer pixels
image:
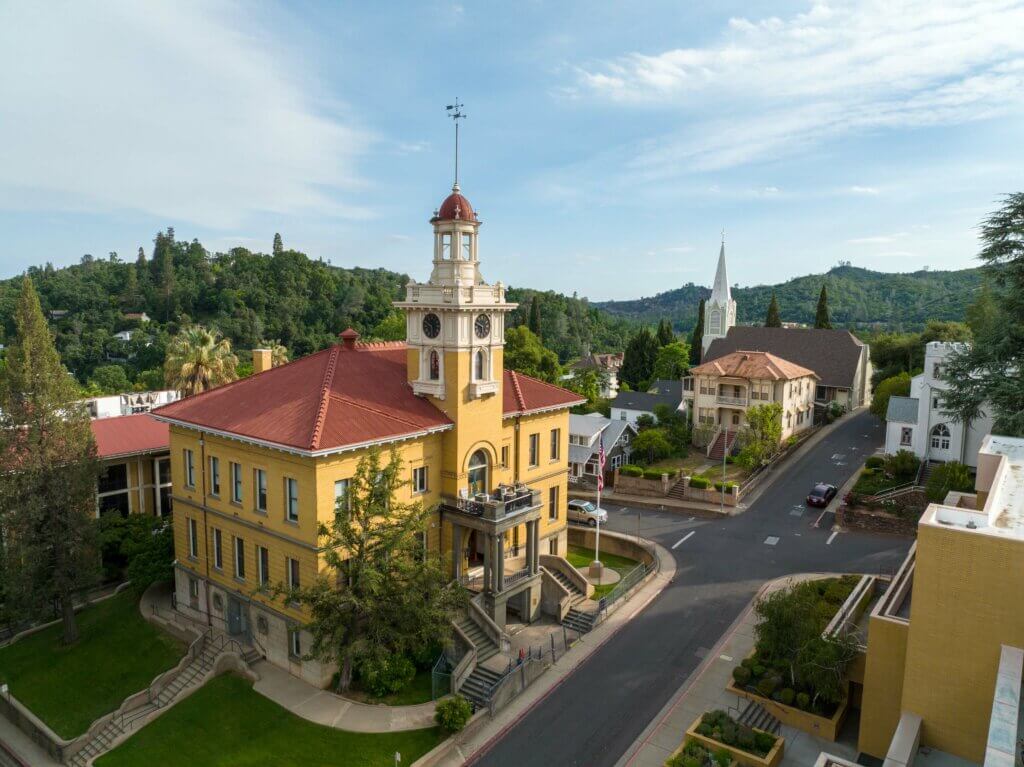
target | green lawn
[
  {"x": 581, "y": 558},
  {"x": 118, "y": 654},
  {"x": 228, "y": 724},
  {"x": 420, "y": 690}
]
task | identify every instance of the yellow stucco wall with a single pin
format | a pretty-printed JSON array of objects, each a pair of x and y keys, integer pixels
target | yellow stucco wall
[{"x": 883, "y": 684}]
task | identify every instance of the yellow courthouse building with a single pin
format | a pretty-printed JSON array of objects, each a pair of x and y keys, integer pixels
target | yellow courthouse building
[{"x": 259, "y": 463}]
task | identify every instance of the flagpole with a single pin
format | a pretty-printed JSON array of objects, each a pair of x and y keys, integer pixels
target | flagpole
[{"x": 600, "y": 487}]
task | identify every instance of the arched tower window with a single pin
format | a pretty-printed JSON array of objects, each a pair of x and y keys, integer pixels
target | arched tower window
[
  {"x": 435, "y": 366},
  {"x": 940, "y": 437},
  {"x": 480, "y": 366},
  {"x": 715, "y": 322},
  {"x": 477, "y": 479}
]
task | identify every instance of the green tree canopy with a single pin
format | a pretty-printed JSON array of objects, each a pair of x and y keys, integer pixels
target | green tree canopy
[
  {"x": 822, "y": 319},
  {"x": 111, "y": 379},
  {"x": 524, "y": 353},
  {"x": 665, "y": 334},
  {"x": 652, "y": 445},
  {"x": 762, "y": 436},
  {"x": 198, "y": 360},
  {"x": 772, "y": 319},
  {"x": 898, "y": 385},
  {"x": 535, "y": 316},
  {"x": 697, "y": 339},
  {"x": 672, "y": 361},
  {"x": 639, "y": 358}
]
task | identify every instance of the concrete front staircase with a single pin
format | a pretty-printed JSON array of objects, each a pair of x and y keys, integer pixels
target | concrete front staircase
[
  {"x": 722, "y": 444},
  {"x": 578, "y": 619}
]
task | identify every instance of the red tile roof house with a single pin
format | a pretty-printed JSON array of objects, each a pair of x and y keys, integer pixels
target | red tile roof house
[{"x": 134, "y": 451}]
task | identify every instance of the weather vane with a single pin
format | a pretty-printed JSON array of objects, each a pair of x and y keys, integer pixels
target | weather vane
[{"x": 455, "y": 112}]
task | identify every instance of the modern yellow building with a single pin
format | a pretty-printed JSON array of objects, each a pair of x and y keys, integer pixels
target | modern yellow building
[
  {"x": 259, "y": 463},
  {"x": 944, "y": 658}
]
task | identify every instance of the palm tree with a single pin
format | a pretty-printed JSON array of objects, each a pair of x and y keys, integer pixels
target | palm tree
[
  {"x": 198, "y": 360},
  {"x": 278, "y": 352}
]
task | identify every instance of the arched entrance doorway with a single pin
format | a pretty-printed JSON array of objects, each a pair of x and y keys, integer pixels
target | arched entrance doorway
[{"x": 477, "y": 480}]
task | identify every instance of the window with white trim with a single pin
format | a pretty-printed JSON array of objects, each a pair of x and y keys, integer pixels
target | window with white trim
[
  {"x": 419, "y": 479},
  {"x": 940, "y": 437},
  {"x": 291, "y": 499},
  {"x": 556, "y": 444},
  {"x": 263, "y": 565},
  {"x": 534, "y": 450},
  {"x": 292, "y": 572},
  {"x": 240, "y": 559},
  {"x": 236, "y": 482},
  {"x": 190, "y": 469},
  {"x": 259, "y": 486},
  {"x": 342, "y": 499},
  {"x": 218, "y": 553},
  {"x": 295, "y": 643},
  {"x": 214, "y": 475},
  {"x": 193, "y": 538}
]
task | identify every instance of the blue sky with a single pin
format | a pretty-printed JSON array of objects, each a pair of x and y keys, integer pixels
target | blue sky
[{"x": 606, "y": 145}]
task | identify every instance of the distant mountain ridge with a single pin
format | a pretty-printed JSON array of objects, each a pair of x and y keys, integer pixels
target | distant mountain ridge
[{"x": 857, "y": 298}]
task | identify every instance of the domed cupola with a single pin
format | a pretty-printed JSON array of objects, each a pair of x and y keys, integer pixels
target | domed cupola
[{"x": 455, "y": 208}]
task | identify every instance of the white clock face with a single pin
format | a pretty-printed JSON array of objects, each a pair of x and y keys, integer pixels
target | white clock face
[
  {"x": 431, "y": 326},
  {"x": 482, "y": 326}
]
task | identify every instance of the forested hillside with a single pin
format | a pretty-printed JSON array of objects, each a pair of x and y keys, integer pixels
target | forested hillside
[{"x": 857, "y": 298}]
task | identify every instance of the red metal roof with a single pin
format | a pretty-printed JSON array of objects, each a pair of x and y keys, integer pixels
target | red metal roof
[
  {"x": 129, "y": 435},
  {"x": 455, "y": 208},
  {"x": 524, "y": 394}
]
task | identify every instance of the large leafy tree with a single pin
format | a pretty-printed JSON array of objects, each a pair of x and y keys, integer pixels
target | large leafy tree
[
  {"x": 772, "y": 318},
  {"x": 762, "y": 435},
  {"x": 672, "y": 361},
  {"x": 47, "y": 490},
  {"x": 990, "y": 370},
  {"x": 525, "y": 353},
  {"x": 697, "y": 339},
  {"x": 199, "y": 359},
  {"x": 896, "y": 386},
  {"x": 383, "y": 594},
  {"x": 639, "y": 358},
  {"x": 822, "y": 319}
]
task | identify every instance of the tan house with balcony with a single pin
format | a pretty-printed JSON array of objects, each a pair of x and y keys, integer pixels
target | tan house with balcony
[{"x": 719, "y": 393}]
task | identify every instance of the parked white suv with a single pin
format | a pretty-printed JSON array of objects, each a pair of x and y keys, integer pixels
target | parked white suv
[{"x": 586, "y": 512}]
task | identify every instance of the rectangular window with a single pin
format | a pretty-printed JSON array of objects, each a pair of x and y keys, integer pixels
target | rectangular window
[
  {"x": 259, "y": 483},
  {"x": 467, "y": 246},
  {"x": 190, "y": 469},
  {"x": 214, "y": 475},
  {"x": 419, "y": 479},
  {"x": 906, "y": 436},
  {"x": 553, "y": 502},
  {"x": 446, "y": 246},
  {"x": 622, "y": 415},
  {"x": 218, "y": 555},
  {"x": 534, "y": 450},
  {"x": 291, "y": 499},
  {"x": 193, "y": 588},
  {"x": 504, "y": 456},
  {"x": 553, "y": 545},
  {"x": 193, "y": 539},
  {"x": 556, "y": 444},
  {"x": 240, "y": 559},
  {"x": 263, "y": 565},
  {"x": 292, "y": 571},
  {"x": 936, "y": 402},
  {"x": 342, "y": 499},
  {"x": 295, "y": 643},
  {"x": 236, "y": 482}
]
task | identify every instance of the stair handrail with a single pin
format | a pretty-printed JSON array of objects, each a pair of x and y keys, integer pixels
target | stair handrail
[{"x": 565, "y": 567}]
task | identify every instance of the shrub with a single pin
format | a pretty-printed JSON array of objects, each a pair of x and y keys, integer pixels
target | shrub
[
  {"x": 704, "y": 729},
  {"x": 697, "y": 482},
  {"x": 763, "y": 742},
  {"x": 758, "y": 669},
  {"x": 382, "y": 675},
  {"x": 786, "y": 696},
  {"x": 741, "y": 675},
  {"x": 745, "y": 738},
  {"x": 947, "y": 478},
  {"x": 730, "y": 459},
  {"x": 791, "y": 440},
  {"x": 902, "y": 464},
  {"x": 836, "y": 593},
  {"x": 869, "y": 472},
  {"x": 629, "y": 470},
  {"x": 452, "y": 713},
  {"x": 749, "y": 662},
  {"x": 727, "y": 485},
  {"x": 766, "y": 686},
  {"x": 803, "y": 701},
  {"x": 653, "y": 473},
  {"x": 875, "y": 462}
]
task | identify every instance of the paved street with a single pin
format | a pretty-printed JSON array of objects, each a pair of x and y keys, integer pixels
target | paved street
[{"x": 598, "y": 711}]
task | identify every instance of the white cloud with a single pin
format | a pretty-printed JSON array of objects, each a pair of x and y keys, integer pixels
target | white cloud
[
  {"x": 880, "y": 239},
  {"x": 865, "y": 190},
  {"x": 775, "y": 86},
  {"x": 184, "y": 110}
]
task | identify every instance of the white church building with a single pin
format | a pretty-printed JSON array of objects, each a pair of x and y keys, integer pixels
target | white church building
[{"x": 917, "y": 423}]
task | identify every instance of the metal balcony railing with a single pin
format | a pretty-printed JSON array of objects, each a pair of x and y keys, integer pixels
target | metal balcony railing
[
  {"x": 721, "y": 399},
  {"x": 507, "y": 501}
]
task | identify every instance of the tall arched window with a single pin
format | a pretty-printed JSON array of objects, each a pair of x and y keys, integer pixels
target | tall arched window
[
  {"x": 478, "y": 472},
  {"x": 480, "y": 366},
  {"x": 715, "y": 322},
  {"x": 435, "y": 366},
  {"x": 940, "y": 437}
]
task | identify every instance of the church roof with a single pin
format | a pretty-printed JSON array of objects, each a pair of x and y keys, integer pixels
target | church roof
[
  {"x": 720, "y": 292},
  {"x": 833, "y": 354},
  {"x": 753, "y": 365}
]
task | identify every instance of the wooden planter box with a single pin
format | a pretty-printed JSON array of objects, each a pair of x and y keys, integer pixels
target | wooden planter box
[
  {"x": 827, "y": 728},
  {"x": 739, "y": 756}
]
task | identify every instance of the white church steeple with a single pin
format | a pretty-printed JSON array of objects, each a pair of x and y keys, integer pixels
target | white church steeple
[{"x": 719, "y": 309}]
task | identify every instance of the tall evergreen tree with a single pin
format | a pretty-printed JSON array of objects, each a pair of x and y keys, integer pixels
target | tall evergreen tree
[
  {"x": 278, "y": 244},
  {"x": 665, "y": 334},
  {"x": 697, "y": 341},
  {"x": 989, "y": 370},
  {"x": 821, "y": 315},
  {"x": 772, "y": 319},
  {"x": 534, "y": 323},
  {"x": 47, "y": 502},
  {"x": 639, "y": 359}
]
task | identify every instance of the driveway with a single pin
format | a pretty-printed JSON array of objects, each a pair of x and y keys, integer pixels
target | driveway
[{"x": 593, "y": 717}]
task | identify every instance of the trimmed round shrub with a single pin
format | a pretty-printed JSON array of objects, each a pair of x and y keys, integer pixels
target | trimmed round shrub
[
  {"x": 704, "y": 729},
  {"x": 758, "y": 669},
  {"x": 749, "y": 662},
  {"x": 763, "y": 742},
  {"x": 786, "y": 696},
  {"x": 653, "y": 473},
  {"x": 629, "y": 470},
  {"x": 741, "y": 675},
  {"x": 452, "y": 713},
  {"x": 766, "y": 685},
  {"x": 803, "y": 701},
  {"x": 698, "y": 482},
  {"x": 903, "y": 464},
  {"x": 875, "y": 462}
]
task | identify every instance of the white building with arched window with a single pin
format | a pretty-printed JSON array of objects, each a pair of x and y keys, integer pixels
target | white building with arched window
[{"x": 919, "y": 424}]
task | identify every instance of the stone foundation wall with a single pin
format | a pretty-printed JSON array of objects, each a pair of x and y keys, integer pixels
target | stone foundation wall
[{"x": 874, "y": 521}]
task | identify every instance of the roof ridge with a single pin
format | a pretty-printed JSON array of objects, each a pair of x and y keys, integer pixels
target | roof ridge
[
  {"x": 325, "y": 398},
  {"x": 517, "y": 390},
  {"x": 373, "y": 345},
  {"x": 385, "y": 413}
]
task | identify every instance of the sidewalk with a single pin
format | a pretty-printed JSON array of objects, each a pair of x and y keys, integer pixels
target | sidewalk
[
  {"x": 476, "y": 740},
  {"x": 705, "y": 691},
  {"x": 22, "y": 746}
]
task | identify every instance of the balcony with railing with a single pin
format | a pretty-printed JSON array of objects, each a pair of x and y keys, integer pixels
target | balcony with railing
[
  {"x": 723, "y": 399},
  {"x": 506, "y": 503}
]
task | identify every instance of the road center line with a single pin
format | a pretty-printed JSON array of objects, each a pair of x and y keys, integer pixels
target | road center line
[
  {"x": 683, "y": 539},
  {"x": 831, "y": 537}
]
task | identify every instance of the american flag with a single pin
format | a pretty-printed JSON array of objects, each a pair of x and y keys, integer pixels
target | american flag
[{"x": 600, "y": 463}]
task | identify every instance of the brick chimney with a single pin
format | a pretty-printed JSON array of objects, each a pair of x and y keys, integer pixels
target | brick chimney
[
  {"x": 349, "y": 338},
  {"x": 261, "y": 360}
]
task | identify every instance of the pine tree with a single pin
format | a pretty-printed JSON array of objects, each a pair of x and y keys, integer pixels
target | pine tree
[
  {"x": 665, "y": 333},
  {"x": 697, "y": 341},
  {"x": 47, "y": 503},
  {"x": 772, "y": 319},
  {"x": 278, "y": 244},
  {"x": 821, "y": 318},
  {"x": 534, "y": 323}
]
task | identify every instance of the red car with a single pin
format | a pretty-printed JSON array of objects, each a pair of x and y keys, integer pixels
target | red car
[{"x": 821, "y": 495}]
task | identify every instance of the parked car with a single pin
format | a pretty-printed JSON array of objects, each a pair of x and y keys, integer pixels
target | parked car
[
  {"x": 821, "y": 494},
  {"x": 586, "y": 512}
]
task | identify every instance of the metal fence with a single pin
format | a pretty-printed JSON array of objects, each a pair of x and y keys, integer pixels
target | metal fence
[
  {"x": 628, "y": 581},
  {"x": 441, "y": 677}
]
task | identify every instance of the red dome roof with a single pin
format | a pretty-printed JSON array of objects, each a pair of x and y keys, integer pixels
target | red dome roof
[{"x": 455, "y": 208}]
